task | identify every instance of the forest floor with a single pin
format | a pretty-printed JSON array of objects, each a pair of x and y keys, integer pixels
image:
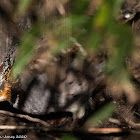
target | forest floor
[{"x": 124, "y": 124}]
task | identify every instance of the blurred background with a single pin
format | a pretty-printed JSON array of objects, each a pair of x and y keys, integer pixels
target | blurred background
[{"x": 80, "y": 57}]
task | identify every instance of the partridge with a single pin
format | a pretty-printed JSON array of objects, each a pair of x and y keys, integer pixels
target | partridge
[{"x": 55, "y": 86}]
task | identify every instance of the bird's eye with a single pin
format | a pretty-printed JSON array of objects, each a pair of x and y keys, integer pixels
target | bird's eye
[{"x": 127, "y": 15}]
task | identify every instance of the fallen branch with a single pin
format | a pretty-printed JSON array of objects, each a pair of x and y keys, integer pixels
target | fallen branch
[{"x": 27, "y": 117}]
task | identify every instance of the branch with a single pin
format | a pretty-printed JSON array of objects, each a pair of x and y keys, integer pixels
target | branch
[{"x": 27, "y": 117}]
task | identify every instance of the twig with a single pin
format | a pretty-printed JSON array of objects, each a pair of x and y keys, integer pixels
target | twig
[
  {"x": 137, "y": 114},
  {"x": 13, "y": 127},
  {"x": 27, "y": 117},
  {"x": 130, "y": 117},
  {"x": 115, "y": 121},
  {"x": 105, "y": 130},
  {"x": 134, "y": 125},
  {"x": 129, "y": 109},
  {"x": 130, "y": 123}
]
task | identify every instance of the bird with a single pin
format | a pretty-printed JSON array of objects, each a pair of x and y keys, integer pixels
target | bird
[{"x": 60, "y": 85}]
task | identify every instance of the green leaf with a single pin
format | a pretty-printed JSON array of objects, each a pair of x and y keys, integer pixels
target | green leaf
[
  {"x": 122, "y": 48},
  {"x": 80, "y": 7},
  {"x": 68, "y": 137},
  {"x": 103, "y": 17},
  {"x": 26, "y": 49},
  {"x": 23, "y": 6},
  {"x": 101, "y": 115},
  {"x": 117, "y": 6}
]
